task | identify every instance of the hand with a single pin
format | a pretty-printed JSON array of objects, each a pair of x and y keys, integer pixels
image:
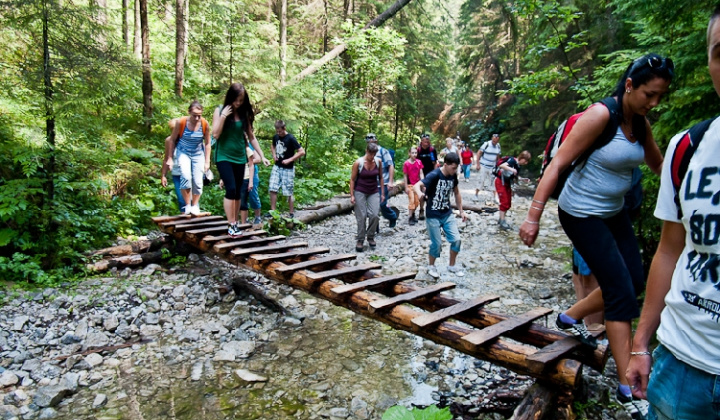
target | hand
[
  {"x": 391, "y": 184},
  {"x": 266, "y": 162},
  {"x": 250, "y": 185},
  {"x": 352, "y": 199},
  {"x": 285, "y": 161},
  {"x": 464, "y": 216},
  {"x": 227, "y": 111},
  {"x": 382, "y": 197},
  {"x": 637, "y": 374},
  {"x": 163, "y": 181},
  {"x": 169, "y": 162},
  {"x": 529, "y": 233},
  {"x": 221, "y": 184},
  {"x": 206, "y": 167}
]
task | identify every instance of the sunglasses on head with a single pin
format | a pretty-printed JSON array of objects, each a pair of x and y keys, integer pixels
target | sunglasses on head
[
  {"x": 370, "y": 138},
  {"x": 655, "y": 63}
]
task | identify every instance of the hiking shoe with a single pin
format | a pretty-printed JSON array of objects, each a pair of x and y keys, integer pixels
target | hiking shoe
[
  {"x": 475, "y": 199},
  {"x": 636, "y": 407},
  {"x": 504, "y": 225},
  {"x": 412, "y": 221},
  {"x": 422, "y": 215},
  {"x": 579, "y": 331},
  {"x": 195, "y": 210},
  {"x": 372, "y": 243},
  {"x": 291, "y": 215},
  {"x": 432, "y": 271},
  {"x": 257, "y": 220},
  {"x": 392, "y": 223},
  {"x": 457, "y": 270},
  {"x": 359, "y": 246},
  {"x": 234, "y": 231}
]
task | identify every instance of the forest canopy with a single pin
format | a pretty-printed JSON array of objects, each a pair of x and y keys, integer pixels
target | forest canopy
[{"x": 87, "y": 89}]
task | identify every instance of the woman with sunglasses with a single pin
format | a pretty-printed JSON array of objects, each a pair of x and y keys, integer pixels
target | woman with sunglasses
[{"x": 591, "y": 211}]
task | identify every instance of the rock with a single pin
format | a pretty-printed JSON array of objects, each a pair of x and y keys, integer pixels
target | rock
[
  {"x": 240, "y": 349},
  {"x": 81, "y": 329},
  {"x": 94, "y": 359},
  {"x": 224, "y": 356},
  {"x": 19, "y": 322},
  {"x": 31, "y": 364},
  {"x": 70, "y": 338},
  {"x": 8, "y": 378},
  {"x": 339, "y": 412},
  {"x": 8, "y": 412},
  {"x": 248, "y": 376},
  {"x": 47, "y": 414},
  {"x": 189, "y": 336},
  {"x": 111, "y": 323},
  {"x": 149, "y": 331},
  {"x": 359, "y": 409},
  {"x": 51, "y": 395},
  {"x": 96, "y": 340},
  {"x": 100, "y": 400}
]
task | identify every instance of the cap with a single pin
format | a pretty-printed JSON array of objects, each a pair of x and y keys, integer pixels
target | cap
[
  {"x": 370, "y": 136},
  {"x": 425, "y": 136}
]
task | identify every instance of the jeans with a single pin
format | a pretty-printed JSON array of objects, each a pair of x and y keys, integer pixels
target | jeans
[
  {"x": 448, "y": 224},
  {"x": 366, "y": 207},
  {"x": 252, "y": 195},
  {"x": 176, "y": 183},
  {"x": 386, "y": 211},
  {"x": 679, "y": 391},
  {"x": 191, "y": 170},
  {"x": 466, "y": 170}
]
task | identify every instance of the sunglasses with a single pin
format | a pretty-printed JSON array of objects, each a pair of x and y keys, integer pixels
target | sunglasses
[
  {"x": 655, "y": 63},
  {"x": 370, "y": 138}
]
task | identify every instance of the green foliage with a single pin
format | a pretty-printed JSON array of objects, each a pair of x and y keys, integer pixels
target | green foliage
[
  {"x": 278, "y": 224},
  {"x": 432, "y": 412}
]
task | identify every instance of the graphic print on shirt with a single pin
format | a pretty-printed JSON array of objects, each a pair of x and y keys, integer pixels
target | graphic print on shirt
[
  {"x": 442, "y": 194},
  {"x": 280, "y": 150}
]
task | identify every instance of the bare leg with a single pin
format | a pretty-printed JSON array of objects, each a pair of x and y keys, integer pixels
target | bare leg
[
  {"x": 584, "y": 285},
  {"x": 273, "y": 199},
  {"x": 620, "y": 336},
  {"x": 453, "y": 256},
  {"x": 229, "y": 206},
  {"x": 590, "y": 304},
  {"x": 187, "y": 196},
  {"x": 291, "y": 203}
]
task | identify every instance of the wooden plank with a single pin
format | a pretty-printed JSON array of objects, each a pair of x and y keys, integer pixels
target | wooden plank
[
  {"x": 225, "y": 246},
  {"x": 291, "y": 254},
  {"x": 318, "y": 262},
  {"x": 162, "y": 219},
  {"x": 217, "y": 238},
  {"x": 189, "y": 226},
  {"x": 347, "y": 289},
  {"x": 478, "y": 338},
  {"x": 437, "y": 317},
  {"x": 381, "y": 304},
  {"x": 269, "y": 248},
  {"x": 187, "y": 220},
  {"x": 326, "y": 275},
  {"x": 207, "y": 231},
  {"x": 555, "y": 351}
]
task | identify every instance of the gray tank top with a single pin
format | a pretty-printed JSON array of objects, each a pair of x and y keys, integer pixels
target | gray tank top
[{"x": 598, "y": 187}]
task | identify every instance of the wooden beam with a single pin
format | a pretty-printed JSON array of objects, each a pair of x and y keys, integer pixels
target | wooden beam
[
  {"x": 270, "y": 248},
  {"x": 346, "y": 289},
  {"x": 317, "y": 262},
  {"x": 381, "y": 304},
  {"x": 290, "y": 254},
  {"x": 437, "y": 317},
  {"x": 226, "y": 246},
  {"x": 341, "y": 272},
  {"x": 478, "y": 338}
]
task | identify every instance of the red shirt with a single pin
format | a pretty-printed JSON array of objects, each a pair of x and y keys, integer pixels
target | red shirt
[
  {"x": 466, "y": 156},
  {"x": 412, "y": 170}
]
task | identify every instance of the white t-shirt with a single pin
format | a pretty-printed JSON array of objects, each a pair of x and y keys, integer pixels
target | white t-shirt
[
  {"x": 490, "y": 154},
  {"x": 690, "y": 322}
]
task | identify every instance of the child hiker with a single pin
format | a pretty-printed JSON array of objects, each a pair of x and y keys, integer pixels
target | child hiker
[{"x": 412, "y": 170}]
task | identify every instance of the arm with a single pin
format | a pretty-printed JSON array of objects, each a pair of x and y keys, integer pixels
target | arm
[
  {"x": 672, "y": 242},
  {"x": 300, "y": 153},
  {"x": 353, "y": 177},
  {"x": 586, "y": 130},
  {"x": 653, "y": 155},
  {"x": 419, "y": 189},
  {"x": 458, "y": 203},
  {"x": 167, "y": 160},
  {"x": 219, "y": 117},
  {"x": 257, "y": 147},
  {"x": 382, "y": 182},
  {"x": 391, "y": 170},
  {"x": 477, "y": 159},
  {"x": 407, "y": 181},
  {"x": 207, "y": 150},
  {"x": 272, "y": 151},
  {"x": 169, "y": 153},
  {"x": 251, "y": 172}
]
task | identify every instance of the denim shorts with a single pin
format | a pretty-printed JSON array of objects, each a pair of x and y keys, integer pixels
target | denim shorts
[
  {"x": 679, "y": 391},
  {"x": 447, "y": 224}
]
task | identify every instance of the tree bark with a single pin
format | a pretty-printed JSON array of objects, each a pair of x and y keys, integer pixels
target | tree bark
[
  {"x": 180, "y": 44},
  {"x": 125, "y": 27},
  {"x": 339, "y": 49},
  {"x": 283, "y": 41},
  {"x": 132, "y": 248},
  {"x": 49, "y": 110},
  {"x": 137, "y": 41},
  {"x": 147, "y": 84},
  {"x": 131, "y": 260}
]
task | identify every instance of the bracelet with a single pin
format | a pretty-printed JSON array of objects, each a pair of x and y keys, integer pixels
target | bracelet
[
  {"x": 640, "y": 353},
  {"x": 539, "y": 202},
  {"x": 537, "y": 208},
  {"x": 531, "y": 222}
]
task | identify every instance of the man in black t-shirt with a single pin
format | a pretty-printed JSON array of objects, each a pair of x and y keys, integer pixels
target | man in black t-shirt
[
  {"x": 428, "y": 156},
  {"x": 285, "y": 150}
]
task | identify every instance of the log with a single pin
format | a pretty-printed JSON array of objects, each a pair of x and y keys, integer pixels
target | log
[
  {"x": 536, "y": 404},
  {"x": 125, "y": 261},
  {"x": 319, "y": 214},
  {"x": 476, "y": 208},
  {"x": 136, "y": 247}
]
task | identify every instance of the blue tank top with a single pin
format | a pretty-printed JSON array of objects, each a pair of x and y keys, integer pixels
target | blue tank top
[
  {"x": 598, "y": 187},
  {"x": 191, "y": 141}
]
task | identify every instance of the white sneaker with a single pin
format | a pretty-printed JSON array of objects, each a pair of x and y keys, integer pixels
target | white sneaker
[
  {"x": 456, "y": 269},
  {"x": 195, "y": 210},
  {"x": 432, "y": 271},
  {"x": 186, "y": 209}
]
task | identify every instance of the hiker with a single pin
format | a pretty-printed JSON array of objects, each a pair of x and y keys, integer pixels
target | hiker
[
  {"x": 174, "y": 168},
  {"x": 590, "y": 207},
  {"x": 507, "y": 173},
  {"x": 428, "y": 156},
  {"x": 449, "y": 148},
  {"x": 249, "y": 197},
  {"x": 233, "y": 129},
  {"x": 487, "y": 156},
  {"x": 682, "y": 296},
  {"x": 366, "y": 196},
  {"x": 413, "y": 173},
  {"x": 285, "y": 150},
  {"x": 466, "y": 154},
  {"x": 388, "y": 171},
  {"x": 437, "y": 187},
  {"x": 191, "y": 139}
]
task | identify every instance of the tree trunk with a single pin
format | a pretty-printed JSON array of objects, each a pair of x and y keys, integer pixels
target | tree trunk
[
  {"x": 49, "y": 111},
  {"x": 147, "y": 84},
  {"x": 339, "y": 49},
  {"x": 137, "y": 41},
  {"x": 101, "y": 18},
  {"x": 125, "y": 27},
  {"x": 187, "y": 31},
  {"x": 283, "y": 41},
  {"x": 180, "y": 43},
  {"x": 325, "y": 47}
]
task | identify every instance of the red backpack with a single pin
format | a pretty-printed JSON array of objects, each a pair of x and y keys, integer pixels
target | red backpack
[{"x": 558, "y": 137}]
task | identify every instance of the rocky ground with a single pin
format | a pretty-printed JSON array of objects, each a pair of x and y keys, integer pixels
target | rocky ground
[{"x": 179, "y": 342}]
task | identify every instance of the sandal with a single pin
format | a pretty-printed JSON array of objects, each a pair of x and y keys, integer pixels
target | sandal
[
  {"x": 372, "y": 243},
  {"x": 359, "y": 247}
]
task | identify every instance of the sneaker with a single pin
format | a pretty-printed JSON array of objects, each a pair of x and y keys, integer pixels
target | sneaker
[
  {"x": 456, "y": 269},
  {"x": 291, "y": 215},
  {"x": 195, "y": 210},
  {"x": 392, "y": 223},
  {"x": 636, "y": 407},
  {"x": 422, "y": 215},
  {"x": 413, "y": 221},
  {"x": 432, "y": 271},
  {"x": 257, "y": 220},
  {"x": 233, "y": 231},
  {"x": 504, "y": 225},
  {"x": 475, "y": 199},
  {"x": 579, "y": 331},
  {"x": 186, "y": 209}
]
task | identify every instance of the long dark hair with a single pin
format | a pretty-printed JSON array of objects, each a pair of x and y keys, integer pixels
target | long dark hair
[
  {"x": 640, "y": 72},
  {"x": 245, "y": 113}
]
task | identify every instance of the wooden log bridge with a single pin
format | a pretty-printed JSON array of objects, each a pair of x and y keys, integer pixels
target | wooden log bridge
[{"x": 515, "y": 342}]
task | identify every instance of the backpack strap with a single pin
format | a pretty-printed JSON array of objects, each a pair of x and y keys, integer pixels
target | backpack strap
[
  {"x": 183, "y": 122},
  {"x": 684, "y": 151}
]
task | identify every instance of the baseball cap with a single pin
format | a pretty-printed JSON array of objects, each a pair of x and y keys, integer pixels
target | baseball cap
[{"x": 370, "y": 136}]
